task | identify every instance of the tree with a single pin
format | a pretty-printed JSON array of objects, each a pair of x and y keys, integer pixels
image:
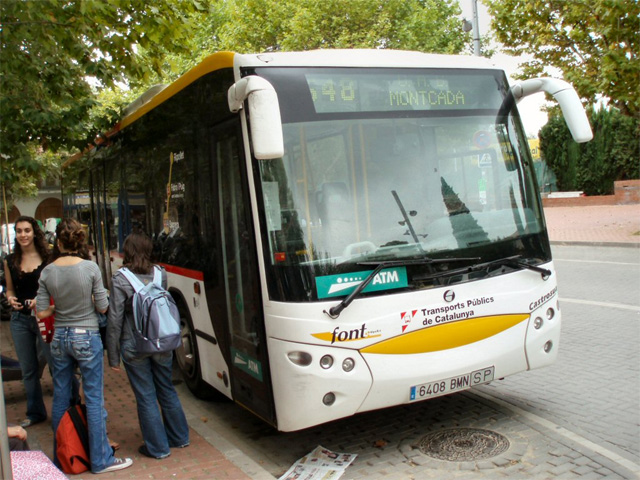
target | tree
[
  {"x": 55, "y": 56},
  {"x": 271, "y": 25},
  {"x": 595, "y": 43},
  {"x": 593, "y": 167}
]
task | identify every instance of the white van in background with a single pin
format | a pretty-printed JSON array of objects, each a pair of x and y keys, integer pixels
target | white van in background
[
  {"x": 49, "y": 229},
  {"x": 6, "y": 240}
]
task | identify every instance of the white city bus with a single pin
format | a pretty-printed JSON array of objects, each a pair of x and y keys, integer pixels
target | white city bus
[{"x": 343, "y": 230}]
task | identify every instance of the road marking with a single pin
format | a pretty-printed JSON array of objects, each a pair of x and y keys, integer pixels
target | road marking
[
  {"x": 568, "y": 434},
  {"x": 594, "y": 261},
  {"x": 601, "y": 304}
]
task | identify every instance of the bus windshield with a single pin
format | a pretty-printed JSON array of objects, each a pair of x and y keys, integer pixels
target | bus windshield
[{"x": 394, "y": 164}]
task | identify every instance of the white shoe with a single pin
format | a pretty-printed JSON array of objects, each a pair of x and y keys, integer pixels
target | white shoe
[{"x": 118, "y": 464}]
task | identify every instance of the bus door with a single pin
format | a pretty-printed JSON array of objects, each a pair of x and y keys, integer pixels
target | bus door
[
  {"x": 250, "y": 379},
  {"x": 99, "y": 237}
]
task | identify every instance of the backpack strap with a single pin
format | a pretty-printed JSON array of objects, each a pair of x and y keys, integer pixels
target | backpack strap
[
  {"x": 133, "y": 280},
  {"x": 81, "y": 430},
  {"x": 157, "y": 275}
]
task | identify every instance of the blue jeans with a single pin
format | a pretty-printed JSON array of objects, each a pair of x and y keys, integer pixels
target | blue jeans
[
  {"x": 71, "y": 346},
  {"x": 27, "y": 341},
  {"x": 150, "y": 378}
]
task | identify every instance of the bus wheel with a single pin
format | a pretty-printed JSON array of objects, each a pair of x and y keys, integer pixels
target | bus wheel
[{"x": 188, "y": 358}]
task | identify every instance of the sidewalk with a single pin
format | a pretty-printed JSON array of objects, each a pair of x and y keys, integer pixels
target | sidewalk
[
  {"x": 603, "y": 225},
  {"x": 199, "y": 461},
  {"x": 614, "y": 225}
]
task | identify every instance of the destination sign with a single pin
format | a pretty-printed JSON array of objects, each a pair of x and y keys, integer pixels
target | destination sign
[{"x": 383, "y": 92}]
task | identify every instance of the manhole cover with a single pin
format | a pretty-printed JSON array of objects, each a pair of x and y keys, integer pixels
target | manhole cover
[{"x": 463, "y": 444}]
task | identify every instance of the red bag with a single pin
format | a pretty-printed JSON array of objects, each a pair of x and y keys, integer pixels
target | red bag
[
  {"x": 72, "y": 441},
  {"x": 46, "y": 326}
]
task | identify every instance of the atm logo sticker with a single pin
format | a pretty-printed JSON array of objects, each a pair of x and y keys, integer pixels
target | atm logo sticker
[{"x": 342, "y": 285}]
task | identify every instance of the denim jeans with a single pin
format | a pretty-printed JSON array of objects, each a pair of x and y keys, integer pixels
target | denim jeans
[
  {"x": 150, "y": 378},
  {"x": 27, "y": 341},
  {"x": 71, "y": 346}
]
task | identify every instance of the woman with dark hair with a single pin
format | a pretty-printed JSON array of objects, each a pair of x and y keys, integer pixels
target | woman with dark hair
[
  {"x": 75, "y": 284},
  {"x": 22, "y": 270},
  {"x": 149, "y": 374}
]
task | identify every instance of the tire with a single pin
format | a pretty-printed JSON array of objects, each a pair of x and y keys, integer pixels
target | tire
[{"x": 188, "y": 359}]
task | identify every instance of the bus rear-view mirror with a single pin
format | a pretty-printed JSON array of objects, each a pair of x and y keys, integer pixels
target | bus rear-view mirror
[
  {"x": 567, "y": 98},
  {"x": 265, "y": 123}
]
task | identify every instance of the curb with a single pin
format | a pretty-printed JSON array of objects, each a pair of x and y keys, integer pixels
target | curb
[{"x": 576, "y": 243}]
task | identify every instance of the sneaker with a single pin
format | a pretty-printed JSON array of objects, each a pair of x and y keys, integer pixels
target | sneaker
[
  {"x": 27, "y": 422},
  {"x": 143, "y": 451},
  {"x": 118, "y": 464}
]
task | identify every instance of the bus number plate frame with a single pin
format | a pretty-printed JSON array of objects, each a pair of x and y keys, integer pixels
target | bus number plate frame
[{"x": 451, "y": 384}]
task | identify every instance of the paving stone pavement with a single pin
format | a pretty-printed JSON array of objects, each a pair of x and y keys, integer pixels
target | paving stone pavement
[
  {"x": 536, "y": 451},
  {"x": 200, "y": 460},
  {"x": 594, "y": 225}
]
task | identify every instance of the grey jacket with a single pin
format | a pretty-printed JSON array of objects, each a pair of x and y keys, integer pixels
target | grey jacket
[{"x": 120, "y": 318}]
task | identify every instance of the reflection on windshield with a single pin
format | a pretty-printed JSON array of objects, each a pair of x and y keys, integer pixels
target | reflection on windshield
[
  {"x": 384, "y": 189},
  {"x": 349, "y": 189}
]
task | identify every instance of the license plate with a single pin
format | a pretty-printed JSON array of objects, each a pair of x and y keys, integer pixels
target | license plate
[{"x": 450, "y": 385}]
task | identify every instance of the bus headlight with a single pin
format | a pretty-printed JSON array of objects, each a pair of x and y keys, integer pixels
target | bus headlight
[
  {"x": 550, "y": 313},
  {"x": 348, "y": 364},
  {"x": 548, "y": 346},
  {"x": 326, "y": 362},
  {"x": 537, "y": 323},
  {"x": 300, "y": 358},
  {"x": 329, "y": 398}
]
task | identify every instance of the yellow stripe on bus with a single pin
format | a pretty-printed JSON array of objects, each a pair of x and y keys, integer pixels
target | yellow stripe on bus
[
  {"x": 213, "y": 62},
  {"x": 446, "y": 336}
]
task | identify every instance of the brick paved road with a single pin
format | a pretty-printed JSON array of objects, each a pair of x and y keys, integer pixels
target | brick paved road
[
  {"x": 603, "y": 224},
  {"x": 576, "y": 419}
]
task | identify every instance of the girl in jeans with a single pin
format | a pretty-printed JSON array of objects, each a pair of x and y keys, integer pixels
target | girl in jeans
[
  {"x": 22, "y": 270},
  {"x": 149, "y": 374},
  {"x": 76, "y": 287}
]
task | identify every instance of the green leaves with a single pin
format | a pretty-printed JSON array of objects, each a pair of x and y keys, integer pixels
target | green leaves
[
  {"x": 593, "y": 166},
  {"x": 594, "y": 43},
  {"x": 54, "y": 52},
  {"x": 272, "y": 25},
  {"x": 55, "y": 56}
]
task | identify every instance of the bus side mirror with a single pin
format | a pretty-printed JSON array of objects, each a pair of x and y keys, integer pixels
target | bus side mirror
[
  {"x": 264, "y": 115},
  {"x": 568, "y": 99}
]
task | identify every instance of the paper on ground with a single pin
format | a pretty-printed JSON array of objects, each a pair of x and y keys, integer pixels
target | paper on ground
[{"x": 320, "y": 464}]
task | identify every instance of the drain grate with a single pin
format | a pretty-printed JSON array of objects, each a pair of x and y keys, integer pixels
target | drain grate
[{"x": 463, "y": 444}]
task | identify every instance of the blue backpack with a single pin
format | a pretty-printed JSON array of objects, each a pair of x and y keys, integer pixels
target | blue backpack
[{"x": 155, "y": 314}]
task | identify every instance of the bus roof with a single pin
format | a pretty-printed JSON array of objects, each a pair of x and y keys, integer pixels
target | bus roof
[
  {"x": 361, "y": 58},
  {"x": 312, "y": 58},
  {"x": 381, "y": 58}
]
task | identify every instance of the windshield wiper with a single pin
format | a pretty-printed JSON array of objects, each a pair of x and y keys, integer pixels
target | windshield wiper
[
  {"x": 516, "y": 261},
  {"x": 334, "y": 312}
]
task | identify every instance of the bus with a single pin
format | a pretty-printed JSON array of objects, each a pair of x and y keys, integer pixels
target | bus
[{"x": 343, "y": 230}]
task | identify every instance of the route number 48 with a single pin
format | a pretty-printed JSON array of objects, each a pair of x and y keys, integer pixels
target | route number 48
[{"x": 345, "y": 89}]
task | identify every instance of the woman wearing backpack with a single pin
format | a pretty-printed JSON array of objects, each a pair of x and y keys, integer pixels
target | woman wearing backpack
[
  {"x": 149, "y": 373},
  {"x": 76, "y": 286}
]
